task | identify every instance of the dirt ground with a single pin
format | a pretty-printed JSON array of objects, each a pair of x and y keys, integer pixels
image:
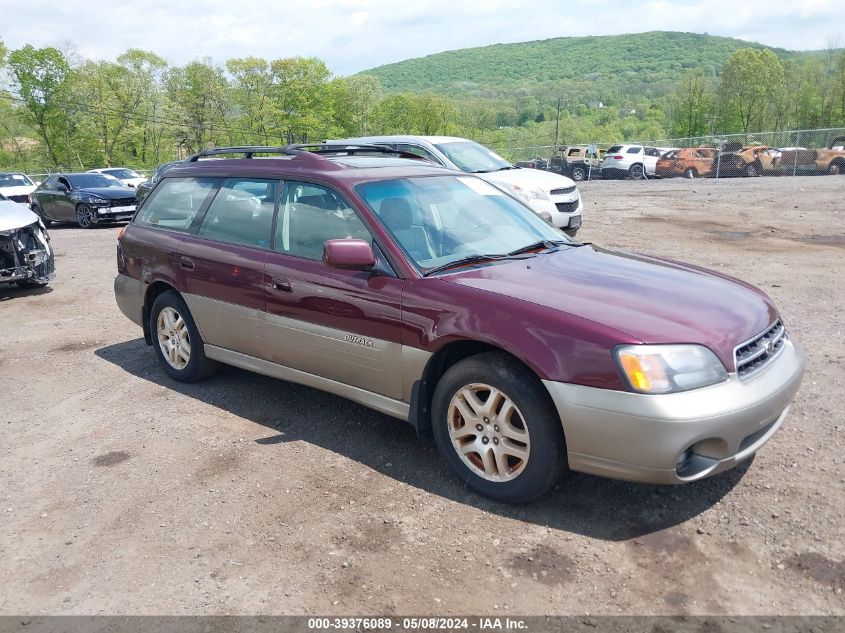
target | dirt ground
[{"x": 122, "y": 492}]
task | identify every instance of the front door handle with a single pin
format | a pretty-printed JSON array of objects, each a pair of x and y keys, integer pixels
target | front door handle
[
  {"x": 282, "y": 285},
  {"x": 187, "y": 263}
]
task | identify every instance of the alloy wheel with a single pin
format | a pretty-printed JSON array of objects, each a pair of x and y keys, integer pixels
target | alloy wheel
[
  {"x": 488, "y": 432},
  {"x": 173, "y": 338},
  {"x": 85, "y": 216}
]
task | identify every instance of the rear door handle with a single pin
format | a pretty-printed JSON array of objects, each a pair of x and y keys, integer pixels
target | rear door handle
[
  {"x": 187, "y": 263},
  {"x": 282, "y": 285}
]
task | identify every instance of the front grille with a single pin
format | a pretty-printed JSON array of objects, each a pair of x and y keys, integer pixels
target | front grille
[
  {"x": 23, "y": 198},
  {"x": 123, "y": 202},
  {"x": 752, "y": 356},
  {"x": 567, "y": 207},
  {"x": 562, "y": 192}
]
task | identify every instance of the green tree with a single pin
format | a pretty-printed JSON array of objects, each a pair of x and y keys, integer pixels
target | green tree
[
  {"x": 251, "y": 93},
  {"x": 42, "y": 78},
  {"x": 197, "y": 98},
  {"x": 751, "y": 78},
  {"x": 691, "y": 104},
  {"x": 299, "y": 98}
]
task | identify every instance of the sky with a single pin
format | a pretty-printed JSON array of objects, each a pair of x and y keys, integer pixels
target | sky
[{"x": 353, "y": 35}]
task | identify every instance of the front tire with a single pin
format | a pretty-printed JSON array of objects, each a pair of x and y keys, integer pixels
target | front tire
[
  {"x": 176, "y": 340},
  {"x": 578, "y": 174},
  {"x": 86, "y": 217},
  {"x": 750, "y": 170},
  {"x": 836, "y": 169},
  {"x": 496, "y": 428}
]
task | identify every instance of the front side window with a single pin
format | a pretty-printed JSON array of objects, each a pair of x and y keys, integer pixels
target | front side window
[
  {"x": 310, "y": 214},
  {"x": 417, "y": 151},
  {"x": 175, "y": 203},
  {"x": 242, "y": 212},
  {"x": 51, "y": 183},
  {"x": 438, "y": 220},
  {"x": 472, "y": 157}
]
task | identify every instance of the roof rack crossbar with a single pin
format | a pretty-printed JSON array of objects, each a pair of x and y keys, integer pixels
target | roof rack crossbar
[
  {"x": 247, "y": 150},
  {"x": 314, "y": 149}
]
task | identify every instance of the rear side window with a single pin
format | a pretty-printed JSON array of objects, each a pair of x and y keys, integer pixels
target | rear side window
[
  {"x": 574, "y": 152},
  {"x": 634, "y": 150},
  {"x": 614, "y": 149},
  {"x": 242, "y": 212},
  {"x": 309, "y": 215},
  {"x": 175, "y": 202}
]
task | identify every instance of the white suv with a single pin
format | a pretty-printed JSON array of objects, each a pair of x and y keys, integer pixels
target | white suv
[
  {"x": 634, "y": 161},
  {"x": 550, "y": 195}
]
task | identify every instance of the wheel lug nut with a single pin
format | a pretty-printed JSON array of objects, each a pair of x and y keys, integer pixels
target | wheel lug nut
[
  {"x": 496, "y": 428},
  {"x": 485, "y": 440},
  {"x": 487, "y": 420},
  {"x": 496, "y": 441},
  {"x": 478, "y": 427}
]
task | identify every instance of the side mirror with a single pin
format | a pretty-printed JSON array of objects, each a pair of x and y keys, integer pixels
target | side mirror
[{"x": 352, "y": 254}]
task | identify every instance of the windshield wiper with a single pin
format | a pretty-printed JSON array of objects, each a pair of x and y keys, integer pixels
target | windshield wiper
[
  {"x": 540, "y": 244},
  {"x": 490, "y": 171},
  {"x": 469, "y": 259}
]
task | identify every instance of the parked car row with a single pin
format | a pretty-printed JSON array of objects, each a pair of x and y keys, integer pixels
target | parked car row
[{"x": 731, "y": 160}]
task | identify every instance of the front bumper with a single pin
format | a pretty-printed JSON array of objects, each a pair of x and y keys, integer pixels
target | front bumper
[
  {"x": 565, "y": 213},
  {"x": 640, "y": 437}
]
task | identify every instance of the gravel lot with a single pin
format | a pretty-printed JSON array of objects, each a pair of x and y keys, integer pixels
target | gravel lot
[{"x": 122, "y": 492}]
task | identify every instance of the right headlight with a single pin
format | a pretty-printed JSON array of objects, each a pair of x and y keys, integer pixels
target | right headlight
[
  {"x": 669, "y": 368},
  {"x": 528, "y": 194}
]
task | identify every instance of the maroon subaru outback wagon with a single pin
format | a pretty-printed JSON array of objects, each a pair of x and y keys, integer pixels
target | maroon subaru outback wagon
[{"x": 432, "y": 296}]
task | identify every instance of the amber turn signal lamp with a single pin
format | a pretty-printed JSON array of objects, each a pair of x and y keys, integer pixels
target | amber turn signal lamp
[{"x": 635, "y": 372}]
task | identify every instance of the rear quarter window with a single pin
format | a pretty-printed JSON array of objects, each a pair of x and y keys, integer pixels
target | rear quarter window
[
  {"x": 614, "y": 149},
  {"x": 174, "y": 204},
  {"x": 634, "y": 150}
]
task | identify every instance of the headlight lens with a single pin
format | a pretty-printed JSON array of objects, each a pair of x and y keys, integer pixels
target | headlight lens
[
  {"x": 669, "y": 368},
  {"x": 528, "y": 194}
]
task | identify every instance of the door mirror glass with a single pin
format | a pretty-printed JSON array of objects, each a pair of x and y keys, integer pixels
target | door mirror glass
[{"x": 352, "y": 254}]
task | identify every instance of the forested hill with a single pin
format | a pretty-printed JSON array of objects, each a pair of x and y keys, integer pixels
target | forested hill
[{"x": 643, "y": 62}]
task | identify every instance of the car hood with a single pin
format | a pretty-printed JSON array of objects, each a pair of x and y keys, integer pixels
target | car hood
[
  {"x": 653, "y": 300},
  {"x": 109, "y": 193},
  {"x": 14, "y": 215},
  {"x": 544, "y": 180}
]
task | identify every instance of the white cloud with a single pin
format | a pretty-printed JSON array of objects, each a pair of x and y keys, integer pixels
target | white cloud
[{"x": 352, "y": 35}]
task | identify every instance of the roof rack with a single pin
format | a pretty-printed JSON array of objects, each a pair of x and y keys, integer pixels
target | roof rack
[
  {"x": 247, "y": 150},
  {"x": 348, "y": 149}
]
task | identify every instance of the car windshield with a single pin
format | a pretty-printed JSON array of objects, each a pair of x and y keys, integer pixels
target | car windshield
[
  {"x": 14, "y": 180},
  {"x": 123, "y": 173},
  {"x": 472, "y": 157},
  {"x": 84, "y": 181},
  {"x": 438, "y": 220}
]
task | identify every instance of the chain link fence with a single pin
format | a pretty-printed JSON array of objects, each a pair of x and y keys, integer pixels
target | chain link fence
[{"x": 786, "y": 153}]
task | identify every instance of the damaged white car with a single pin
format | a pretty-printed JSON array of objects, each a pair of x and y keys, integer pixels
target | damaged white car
[{"x": 26, "y": 257}]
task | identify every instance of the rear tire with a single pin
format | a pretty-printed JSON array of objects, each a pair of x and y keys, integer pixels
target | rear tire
[
  {"x": 636, "y": 172},
  {"x": 750, "y": 170},
  {"x": 836, "y": 169},
  {"x": 176, "y": 340},
  {"x": 37, "y": 210},
  {"x": 578, "y": 174},
  {"x": 520, "y": 451}
]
